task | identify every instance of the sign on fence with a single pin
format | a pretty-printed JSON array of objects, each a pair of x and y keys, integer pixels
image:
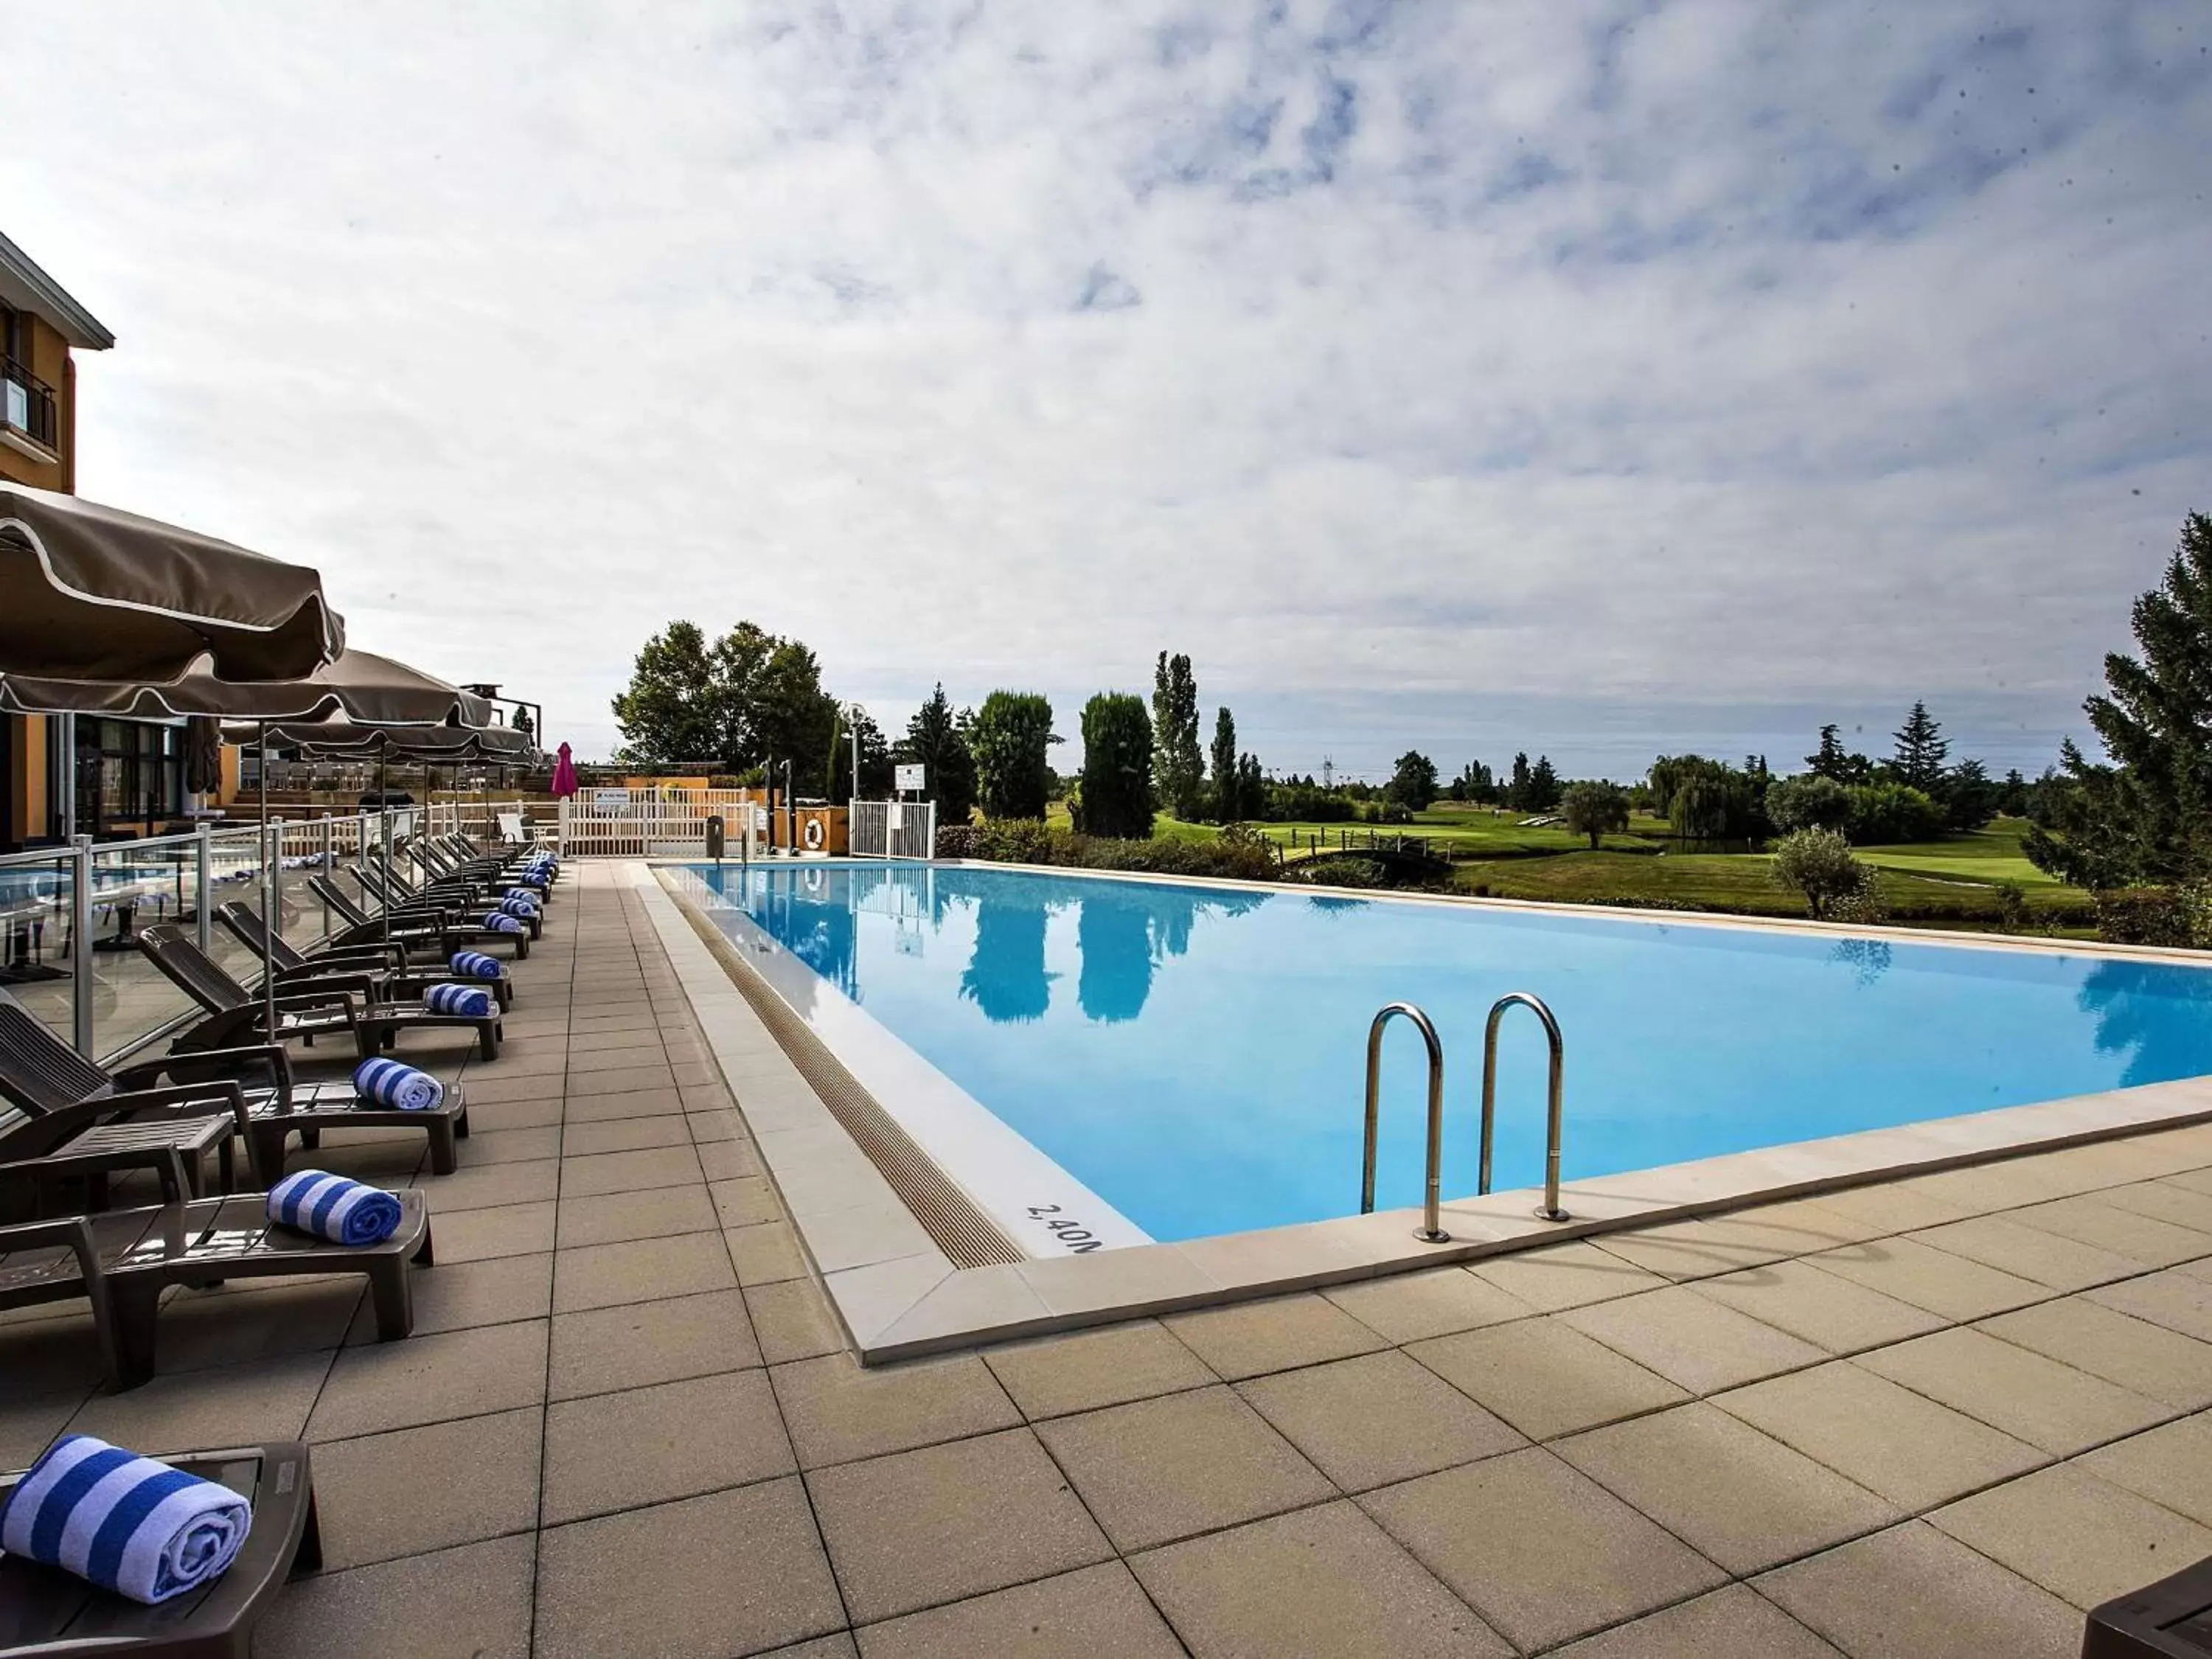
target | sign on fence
[
  {"x": 910, "y": 778},
  {"x": 609, "y": 800}
]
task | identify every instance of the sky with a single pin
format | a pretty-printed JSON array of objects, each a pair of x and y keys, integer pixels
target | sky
[{"x": 1593, "y": 377}]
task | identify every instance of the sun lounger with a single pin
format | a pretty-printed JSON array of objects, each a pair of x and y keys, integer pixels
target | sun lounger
[
  {"x": 45, "y": 1079},
  {"x": 392, "y": 981},
  {"x": 47, "y": 1613},
  {"x": 414, "y": 931},
  {"x": 305, "y": 1009}
]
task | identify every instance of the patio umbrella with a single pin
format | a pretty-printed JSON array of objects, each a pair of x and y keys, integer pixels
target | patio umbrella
[
  {"x": 96, "y": 594},
  {"x": 202, "y": 754},
  {"x": 564, "y": 773}
]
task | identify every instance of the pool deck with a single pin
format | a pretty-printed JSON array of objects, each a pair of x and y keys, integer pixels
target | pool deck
[{"x": 1942, "y": 1414}]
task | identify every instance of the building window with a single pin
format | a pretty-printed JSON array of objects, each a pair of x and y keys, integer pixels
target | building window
[
  {"x": 130, "y": 776},
  {"x": 27, "y": 402}
]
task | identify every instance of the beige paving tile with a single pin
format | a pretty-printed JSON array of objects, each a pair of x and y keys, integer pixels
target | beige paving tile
[
  {"x": 838, "y": 1412},
  {"x": 430, "y": 1379},
  {"x": 1928, "y": 1278},
  {"x": 1734, "y": 1623},
  {"x": 1692, "y": 1340},
  {"x": 1249, "y": 1338},
  {"x": 1054, "y": 1376},
  {"x": 766, "y": 1254},
  {"x": 480, "y": 1235},
  {"x": 1885, "y": 1438},
  {"x": 793, "y": 1319},
  {"x": 483, "y": 1186},
  {"x": 1889, "y": 1207},
  {"x": 472, "y": 1603},
  {"x": 2082, "y": 1538},
  {"x": 627, "y": 1172},
  {"x": 1408, "y": 1307},
  {"x": 2145, "y": 1358},
  {"x": 2179, "y": 1201},
  {"x": 2143, "y": 1238},
  {"x": 1913, "y": 1593},
  {"x": 517, "y": 1146},
  {"x": 30, "y": 1424},
  {"x": 1564, "y": 1276},
  {"x": 1097, "y": 1609},
  {"x": 994, "y": 1508},
  {"x": 624, "y": 1134},
  {"x": 1726, "y": 1490},
  {"x": 1541, "y": 1552},
  {"x": 2028, "y": 1396},
  {"x": 618, "y": 1218},
  {"x": 416, "y": 1490},
  {"x": 221, "y": 1406},
  {"x": 2171, "y": 1465},
  {"x": 619, "y": 1451},
  {"x": 1834, "y": 1314},
  {"x": 1544, "y": 1377},
  {"x": 602, "y": 1275},
  {"x": 2000, "y": 1242},
  {"x": 632, "y": 1345},
  {"x": 2177, "y": 1299},
  {"x": 1689, "y": 1249},
  {"x": 1321, "y": 1581},
  {"x": 746, "y": 1202},
  {"x": 2000, "y": 1184},
  {"x": 250, "y": 1320},
  {"x": 1377, "y": 1418},
  {"x": 492, "y": 1291},
  {"x": 735, "y": 1571},
  {"x": 649, "y": 1099},
  {"x": 1160, "y": 1469}
]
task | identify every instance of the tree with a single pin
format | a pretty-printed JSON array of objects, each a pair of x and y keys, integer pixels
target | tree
[
  {"x": 2141, "y": 817},
  {"x": 1225, "y": 766},
  {"x": 1592, "y": 809},
  {"x": 1921, "y": 751},
  {"x": 1517, "y": 791},
  {"x": 1832, "y": 760},
  {"x": 1414, "y": 783},
  {"x": 1473, "y": 785},
  {"x": 935, "y": 740},
  {"x": 1251, "y": 788},
  {"x": 671, "y": 711},
  {"x": 1969, "y": 796},
  {"x": 773, "y": 707},
  {"x": 1117, "y": 768},
  {"x": 1819, "y": 864},
  {"x": 1176, "y": 764},
  {"x": 1009, "y": 739},
  {"x": 1890, "y": 814},
  {"x": 861, "y": 730},
  {"x": 1543, "y": 786},
  {"x": 1814, "y": 801}
]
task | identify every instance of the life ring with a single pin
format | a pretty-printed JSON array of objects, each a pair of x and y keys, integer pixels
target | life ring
[{"x": 812, "y": 834}]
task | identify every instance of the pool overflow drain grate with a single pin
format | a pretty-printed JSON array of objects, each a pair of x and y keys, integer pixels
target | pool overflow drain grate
[{"x": 965, "y": 1233}]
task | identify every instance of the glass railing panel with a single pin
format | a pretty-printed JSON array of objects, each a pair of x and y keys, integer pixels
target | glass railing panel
[
  {"x": 38, "y": 962},
  {"x": 135, "y": 886}
]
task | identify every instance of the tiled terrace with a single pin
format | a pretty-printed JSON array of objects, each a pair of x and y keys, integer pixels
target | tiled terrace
[{"x": 1938, "y": 1416}]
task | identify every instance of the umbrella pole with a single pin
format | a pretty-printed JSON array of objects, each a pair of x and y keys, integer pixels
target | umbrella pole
[
  {"x": 271, "y": 918},
  {"x": 384, "y": 808}
]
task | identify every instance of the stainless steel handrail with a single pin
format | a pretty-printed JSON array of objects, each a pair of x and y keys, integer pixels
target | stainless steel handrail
[
  {"x": 1429, "y": 1232},
  {"x": 1557, "y": 1123}
]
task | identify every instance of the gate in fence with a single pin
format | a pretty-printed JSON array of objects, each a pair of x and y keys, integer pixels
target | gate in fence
[{"x": 893, "y": 829}]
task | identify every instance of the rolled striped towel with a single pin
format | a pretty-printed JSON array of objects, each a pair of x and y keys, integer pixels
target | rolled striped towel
[
  {"x": 384, "y": 1081},
  {"x": 124, "y": 1522},
  {"x": 530, "y": 895},
  {"x": 447, "y": 998},
  {"x": 498, "y": 922},
  {"x": 331, "y": 1207},
  {"x": 521, "y": 907},
  {"x": 475, "y": 964}
]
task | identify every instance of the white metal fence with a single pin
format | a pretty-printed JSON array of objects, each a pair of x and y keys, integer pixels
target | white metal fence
[
  {"x": 638, "y": 823},
  {"x": 894, "y": 830}
]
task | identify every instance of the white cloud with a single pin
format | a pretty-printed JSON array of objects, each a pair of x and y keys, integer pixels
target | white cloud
[{"x": 1438, "y": 360}]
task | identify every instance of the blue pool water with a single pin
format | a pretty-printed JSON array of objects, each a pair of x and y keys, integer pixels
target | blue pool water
[{"x": 1196, "y": 1055}]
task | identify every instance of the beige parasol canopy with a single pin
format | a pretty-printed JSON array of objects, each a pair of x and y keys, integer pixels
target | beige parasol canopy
[{"x": 359, "y": 686}]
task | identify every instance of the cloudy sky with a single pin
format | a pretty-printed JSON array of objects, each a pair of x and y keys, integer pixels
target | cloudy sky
[{"x": 1594, "y": 375}]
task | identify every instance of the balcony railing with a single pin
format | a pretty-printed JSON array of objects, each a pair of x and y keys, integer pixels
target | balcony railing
[{"x": 26, "y": 404}]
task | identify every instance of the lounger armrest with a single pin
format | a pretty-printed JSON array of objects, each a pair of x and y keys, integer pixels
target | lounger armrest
[
  {"x": 306, "y": 980},
  {"x": 184, "y": 1100},
  {"x": 271, "y": 1058},
  {"x": 72, "y": 1233},
  {"x": 323, "y": 997}
]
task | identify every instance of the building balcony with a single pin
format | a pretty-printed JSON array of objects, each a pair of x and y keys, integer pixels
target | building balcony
[{"x": 28, "y": 409}]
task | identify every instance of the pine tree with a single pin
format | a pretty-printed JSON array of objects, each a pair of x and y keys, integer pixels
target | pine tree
[
  {"x": 1177, "y": 767},
  {"x": 1829, "y": 760},
  {"x": 2146, "y": 817},
  {"x": 936, "y": 738},
  {"x": 1921, "y": 751},
  {"x": 1543, "y": 786},
  {"x": 1517, "y": 791},
  {"x": 1225, "y": 766}
]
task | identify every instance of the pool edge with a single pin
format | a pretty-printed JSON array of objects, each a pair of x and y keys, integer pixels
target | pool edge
[{"x": 911, "y": 1301}]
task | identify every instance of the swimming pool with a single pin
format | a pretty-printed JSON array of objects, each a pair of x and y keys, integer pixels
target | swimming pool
[{"x": 1189, "y": 1060}]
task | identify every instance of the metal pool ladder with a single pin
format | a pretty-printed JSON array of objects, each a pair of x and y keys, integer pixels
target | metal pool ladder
[
  {"x": 1550, "y": 1210},
  {"x": 1429, "y": 1232}
]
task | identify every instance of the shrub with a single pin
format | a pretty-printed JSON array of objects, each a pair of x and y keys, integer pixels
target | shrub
[
  {"x": 1885, "y": 814},
  {"x": 1818, "y": 864},
  {"x": 1343, "y": 871},
  {"x": 1811, "y": 802},
  {"x": 1009, "y": 740},
  {"x": 1592, "y": 809},
  {"x": 2012, "y": 906},
  {"x": 1236, "y": 853},
  {"x": 1117, "y": 767},
  {"x": 2167, "y": 917}
]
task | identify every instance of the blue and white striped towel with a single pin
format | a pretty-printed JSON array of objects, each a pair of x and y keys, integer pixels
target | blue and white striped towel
[
  {"x": 126, "y": 1523},
  {"x": 498, "y": 922},
  {"x": 331, "y": 1207},
  {"x": 384, "y": 1081},
  {"x": 475, "y": 964},
  {"x": 450, "y": 999},
  {"x": 523, "y": 909},
  {"x": 528, "y": 894}
]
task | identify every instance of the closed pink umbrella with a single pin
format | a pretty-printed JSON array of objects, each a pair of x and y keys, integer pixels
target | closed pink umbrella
[{"x": 564, "y": 774}]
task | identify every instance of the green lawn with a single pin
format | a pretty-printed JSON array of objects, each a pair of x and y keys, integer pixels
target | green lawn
[{"x": 1990, "y": 854}]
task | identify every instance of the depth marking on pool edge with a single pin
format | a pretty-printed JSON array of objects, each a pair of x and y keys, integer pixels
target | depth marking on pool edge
[{"x": 1072, "y": 1235}]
